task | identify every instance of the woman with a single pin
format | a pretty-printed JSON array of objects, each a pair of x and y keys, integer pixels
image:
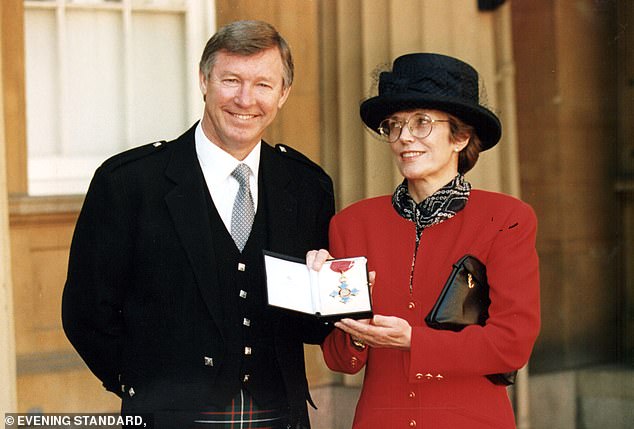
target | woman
[{"x": 428, "y": 111}]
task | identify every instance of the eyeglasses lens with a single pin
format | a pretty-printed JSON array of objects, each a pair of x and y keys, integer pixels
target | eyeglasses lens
[
  {"x": 390, "y": 130},
  {"x": 419, "y": 126}
]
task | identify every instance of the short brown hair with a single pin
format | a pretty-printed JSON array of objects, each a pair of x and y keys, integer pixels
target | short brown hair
[
  {"x": 247, "y": 38},
  {"x": 468, "y": 156}
]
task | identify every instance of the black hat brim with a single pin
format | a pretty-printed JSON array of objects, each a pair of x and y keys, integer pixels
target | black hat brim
[{"x": 485, "y": 122}]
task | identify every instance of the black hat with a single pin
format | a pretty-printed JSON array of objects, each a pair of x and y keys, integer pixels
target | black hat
[{"x": 432, "y": 81}]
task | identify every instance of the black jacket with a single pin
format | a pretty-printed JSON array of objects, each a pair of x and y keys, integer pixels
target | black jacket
[{"x": 140, "y": 302}]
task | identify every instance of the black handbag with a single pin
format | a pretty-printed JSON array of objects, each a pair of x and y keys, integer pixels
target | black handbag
[{"x": 464, "y": 300}]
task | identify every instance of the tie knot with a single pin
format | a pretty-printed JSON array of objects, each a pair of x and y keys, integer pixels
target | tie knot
[{"x": 241, "y": 173}]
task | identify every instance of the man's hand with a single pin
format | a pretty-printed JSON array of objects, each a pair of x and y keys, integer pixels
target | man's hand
[{"x": 315, "y": 258}]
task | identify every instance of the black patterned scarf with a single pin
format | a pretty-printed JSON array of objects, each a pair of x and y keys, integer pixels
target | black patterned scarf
[{"x": 438, "y": 207}]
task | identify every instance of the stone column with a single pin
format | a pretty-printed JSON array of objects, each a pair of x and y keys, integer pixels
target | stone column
[
  {"x": 567, "y": 125},
  {"x": 8, "y": 400}
]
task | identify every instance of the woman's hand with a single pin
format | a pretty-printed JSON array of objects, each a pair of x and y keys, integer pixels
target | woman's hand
[{"x": 380, "y": 331}]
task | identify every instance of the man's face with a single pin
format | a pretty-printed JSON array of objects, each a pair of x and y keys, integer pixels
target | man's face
[{"x": 242, "y": 97}]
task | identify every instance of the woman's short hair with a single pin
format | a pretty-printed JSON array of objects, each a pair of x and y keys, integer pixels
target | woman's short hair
[
  {"x": 469, "y": 155},
  {"x": 247, "y": 38}
]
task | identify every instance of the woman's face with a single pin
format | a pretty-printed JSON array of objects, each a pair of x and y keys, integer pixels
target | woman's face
[{"x": 434, "y": 158}]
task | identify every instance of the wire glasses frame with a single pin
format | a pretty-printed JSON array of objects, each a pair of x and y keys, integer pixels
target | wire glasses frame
[{"x": 419, "y": 125}]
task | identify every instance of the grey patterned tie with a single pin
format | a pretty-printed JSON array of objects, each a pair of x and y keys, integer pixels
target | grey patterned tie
[{"x": 243, "y": 210}]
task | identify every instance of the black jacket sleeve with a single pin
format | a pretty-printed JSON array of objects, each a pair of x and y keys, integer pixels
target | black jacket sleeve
[{"x": 97, "y": 277}]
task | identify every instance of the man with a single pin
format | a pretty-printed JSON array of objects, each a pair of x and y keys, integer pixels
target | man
[{"x": 165, "y": 298}]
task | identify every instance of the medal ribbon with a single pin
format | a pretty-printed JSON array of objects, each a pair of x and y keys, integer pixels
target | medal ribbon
[{"x": 341, "y": 266}]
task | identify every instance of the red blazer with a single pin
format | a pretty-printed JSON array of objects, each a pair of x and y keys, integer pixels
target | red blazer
[{"x": 439, "y": 383}]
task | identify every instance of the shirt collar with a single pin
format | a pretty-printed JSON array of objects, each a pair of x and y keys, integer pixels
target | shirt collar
[{"x": 219, "y": 164}]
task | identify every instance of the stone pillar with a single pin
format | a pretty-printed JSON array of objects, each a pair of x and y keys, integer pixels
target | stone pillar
[
  {"x": 7, "y": 332},
  {"x": 625, "y": 182},
  {"x": 567, "y": 128},
  {"x": 8, "y": 401}
]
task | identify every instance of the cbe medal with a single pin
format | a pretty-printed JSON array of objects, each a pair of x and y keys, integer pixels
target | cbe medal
[{"x": 343, "y": 293}]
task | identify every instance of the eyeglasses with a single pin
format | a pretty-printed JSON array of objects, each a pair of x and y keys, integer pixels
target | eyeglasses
[{"x": 419, "y": 125}]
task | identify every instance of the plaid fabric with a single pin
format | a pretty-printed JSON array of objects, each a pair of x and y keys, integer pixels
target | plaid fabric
[{"x": 241, "y": 413}]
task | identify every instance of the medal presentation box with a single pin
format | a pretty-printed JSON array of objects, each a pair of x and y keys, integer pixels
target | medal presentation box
[{"x": 339, "y": 290}]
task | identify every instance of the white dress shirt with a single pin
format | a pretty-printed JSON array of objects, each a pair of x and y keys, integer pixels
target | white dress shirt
[{"x": 217, "y": 166}]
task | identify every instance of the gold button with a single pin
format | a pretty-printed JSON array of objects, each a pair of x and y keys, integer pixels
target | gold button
[
  {"x": 428, "y": 376},
  {"x": 411, "y": 305},
  {"x": 419, "y": 376},
  {"x": 439, "y": 377},
  {"x": 412, "y": 423},
  {"x": 412, "y": 395}
]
